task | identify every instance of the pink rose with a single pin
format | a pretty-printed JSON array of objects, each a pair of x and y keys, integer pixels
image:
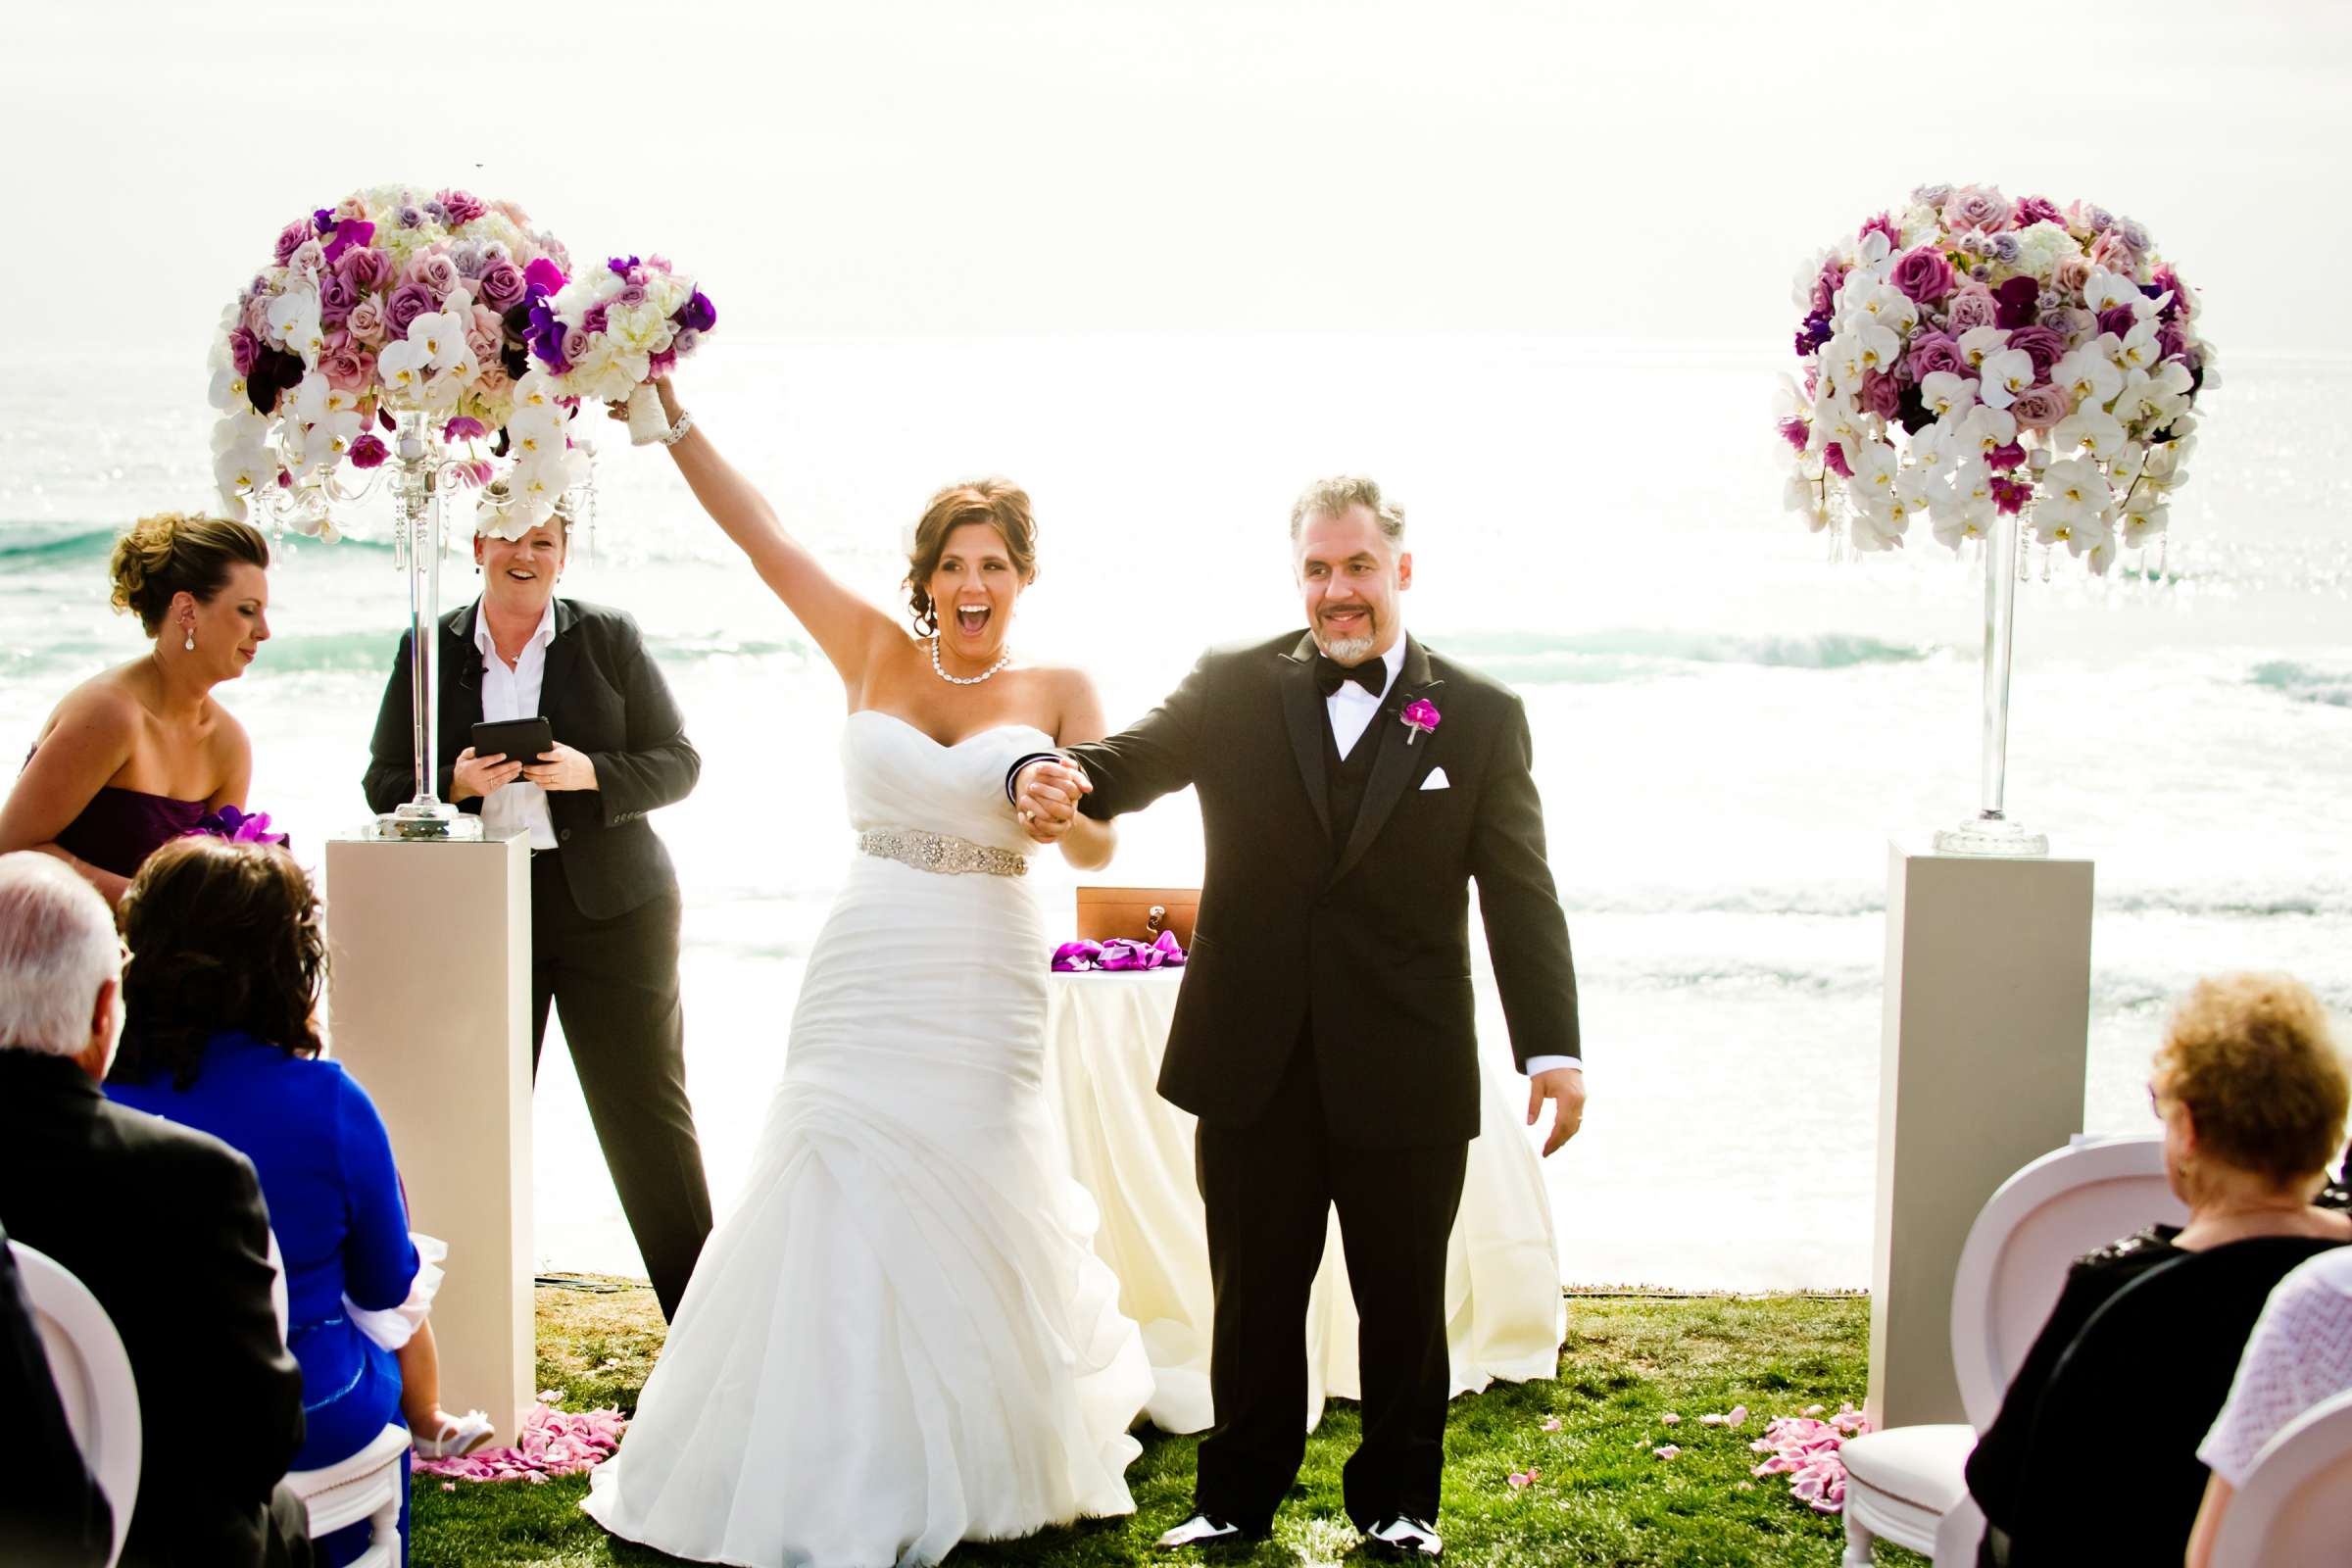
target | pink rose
[
  {"x": 366, "y": 322},
  {"x": 2043, "y": 346},
  {"x": 407, "y": 303},
  {"x": 1978, "y": 207},
  {"x": 1881, "y": 395},
  {"x": 243, "y": 347},
  {"x": 486, "y": 335},
  {"x": 501, "y": 285},
  {"x": 575, "y": 345},
  {"x": 2073, "y": 273},
  {"x": 291, "y": 237},
  {"x": 347, "y": 366},
  {"x": 366, "y": 269},
  {"x": 1972, "y": 307},
  {"x": 436, "y": 273},
  {"x": 494, "y": 382},
  {"x": 257, "y": 316},
  {"x": 2038, "y": 408},
  {"x": 1936, "y": 351},
  {"x": 2115, "y": 253}
]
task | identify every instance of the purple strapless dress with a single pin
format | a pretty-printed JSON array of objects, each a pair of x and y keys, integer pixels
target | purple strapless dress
[{"x": 119, "y": 828}]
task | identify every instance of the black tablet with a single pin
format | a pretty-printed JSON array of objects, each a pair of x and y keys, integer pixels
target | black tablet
[{"x": 524, "y": 739}]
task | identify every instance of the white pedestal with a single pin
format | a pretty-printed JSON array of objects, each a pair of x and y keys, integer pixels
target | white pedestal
[
  {"x": 430, "y": 1007},
  {"x": 1980, "y": 1071}
]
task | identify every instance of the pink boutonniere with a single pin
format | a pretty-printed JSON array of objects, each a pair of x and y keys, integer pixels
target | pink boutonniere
[{"x": 1421, "y": 718}]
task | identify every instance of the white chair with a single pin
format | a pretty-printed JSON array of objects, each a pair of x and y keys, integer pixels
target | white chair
[
  {"x": 92, "y": 1377},
  {"x": 2296, "y": 1505},
  {"x": 366, "y": 1486},
  {"x": 1905, "y": 1484}
]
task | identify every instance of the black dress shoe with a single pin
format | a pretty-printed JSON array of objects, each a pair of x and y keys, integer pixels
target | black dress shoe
[
  {"x": 1403, "y": 1539},
  {"x": 1209, "y": 1533}
]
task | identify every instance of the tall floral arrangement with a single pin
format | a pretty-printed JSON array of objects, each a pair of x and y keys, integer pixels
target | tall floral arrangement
[
  {"x": 1970, "y": 357},
  {"x": 392, "y": 302}
]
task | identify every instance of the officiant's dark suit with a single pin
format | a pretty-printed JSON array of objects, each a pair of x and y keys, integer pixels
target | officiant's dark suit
[
  {"x": 1323, "y": 1035},
  {"x": 605, "y": 905}
]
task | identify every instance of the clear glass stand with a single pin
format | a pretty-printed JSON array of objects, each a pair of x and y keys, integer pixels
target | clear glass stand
[
  {"x": 417, "y": 502},
  {"x": 1990, "y": 832}
]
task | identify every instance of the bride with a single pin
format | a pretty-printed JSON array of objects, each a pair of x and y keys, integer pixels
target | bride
[{"x": 900, "y": 1339}]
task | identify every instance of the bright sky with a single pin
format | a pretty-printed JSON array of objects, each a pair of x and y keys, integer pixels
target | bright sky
[{"x": 1650, "y": 172}]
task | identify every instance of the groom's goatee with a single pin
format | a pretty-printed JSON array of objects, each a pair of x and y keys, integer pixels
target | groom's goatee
[{"x": 1346, "y": 650}]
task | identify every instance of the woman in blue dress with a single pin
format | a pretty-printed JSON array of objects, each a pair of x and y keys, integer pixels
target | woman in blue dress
[{"x": 220, "y": 1001}]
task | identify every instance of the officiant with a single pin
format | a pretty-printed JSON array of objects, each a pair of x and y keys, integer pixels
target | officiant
[{"x": 605, "y": 905}]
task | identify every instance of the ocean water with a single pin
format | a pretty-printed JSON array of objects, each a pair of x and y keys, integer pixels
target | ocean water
[{"x": 1729, "y": 726}]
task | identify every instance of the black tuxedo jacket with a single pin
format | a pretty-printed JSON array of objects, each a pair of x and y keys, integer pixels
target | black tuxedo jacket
[
  {"x": 602, "y": 694},
  {"x": 166, "y": 1226},
  {"x": 1364, "y": 943}
]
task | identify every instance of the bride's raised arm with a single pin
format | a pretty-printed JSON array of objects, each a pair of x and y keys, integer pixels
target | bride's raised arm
[{"x": 849, "y": 629}]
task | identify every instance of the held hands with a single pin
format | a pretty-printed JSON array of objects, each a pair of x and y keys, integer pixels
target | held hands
[
  {"x": 482, "y": 775},
  {"x": 1564, "y": 1087},
  {"x": 1046, "y": 796}
]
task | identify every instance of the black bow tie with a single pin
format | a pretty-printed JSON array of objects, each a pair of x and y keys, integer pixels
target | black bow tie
[{"x": 1330, "y": 675}]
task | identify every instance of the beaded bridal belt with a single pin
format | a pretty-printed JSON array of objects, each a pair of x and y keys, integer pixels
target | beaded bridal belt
[{"x": 942, "y": 853}]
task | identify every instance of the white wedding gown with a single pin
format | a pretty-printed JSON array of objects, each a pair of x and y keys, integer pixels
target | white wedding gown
[{"x": 901, "y": 1338}]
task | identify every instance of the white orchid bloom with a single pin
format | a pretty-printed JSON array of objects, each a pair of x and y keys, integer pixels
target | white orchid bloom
[
  {"x": 1873, "y": 256},
  {"x": 1890, "y": 306},
  {"x": 2105, "y": 290},
  {"x": 325, "y": 441},
  {"x": 2140, "y": 351},
  {"x": 2089, "y": 375},
  {"x": 2074, "y": 497},
  {"x": 2007, "y": 372},
  {"x": 443, "y": 336},
  {"x": 2091, "y": 428},
  {"x": 1806, "y": 496},
  {"x": 1877, "y": 527},
  {"x": 1800, "y": 287},
  {"x": 228, "y": 390},
  {"x": 402, "y": 368},
  {"x": 1979, "y": 343},
  {"x": 2127, "y": 463},
  {"x": 1965, "y": 509},
  {"x": 1985, "y": 427},
  {"x": 1835, "y": 418},
  {"x": 1947, "y": 394},
  {"x": 243, "y": 468},
  {"x": 2143, "y": 520},
  {"x": 294, "y": 325},
  {"x": 442, "y": 389},
  {"x": 1875, "y": 466},
  {"x": 315, "y": 399}
]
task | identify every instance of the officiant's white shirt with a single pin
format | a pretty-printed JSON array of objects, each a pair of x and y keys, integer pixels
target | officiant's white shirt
[
  {"x": 1350, "y": 708},
  {"x": 510, "y": 694}
]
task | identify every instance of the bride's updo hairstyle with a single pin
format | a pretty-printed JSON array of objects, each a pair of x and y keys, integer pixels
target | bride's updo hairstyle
[
  {"x": 1001, "y": 504},
  {"x": 170, "y": 553}
]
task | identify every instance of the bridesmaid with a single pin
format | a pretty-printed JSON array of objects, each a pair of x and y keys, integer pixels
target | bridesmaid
[{"x": 136, "y": 756}]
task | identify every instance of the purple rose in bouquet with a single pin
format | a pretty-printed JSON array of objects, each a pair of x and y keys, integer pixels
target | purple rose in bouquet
[
  {"x": 292, "y": 238},
  {"x": 2119, "y": 319},
  {"x": 463, "y": 207},
  {"x": 2042, "y": 346},
  {"x": 1971, "y": 307},
  {"x": 242, "y": 347},
  {"x": 2038, "y": 408},
  {"x": 501, "y": 285},
  {"x": 2039, "y": 210},
  {"x": 336, "y": 297},
  {"x": 1931, "y": 352},
  {"x": 1881, "y": 395},
  {"x": 1924, "y": 274},
  {"x": 407, "y": 303},
  {"x": 366, "y": 269},
  {"x": 2015, "y": 302}
]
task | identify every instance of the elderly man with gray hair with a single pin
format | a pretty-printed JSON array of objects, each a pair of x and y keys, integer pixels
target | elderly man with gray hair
[{"x": 165, "y": 1227}]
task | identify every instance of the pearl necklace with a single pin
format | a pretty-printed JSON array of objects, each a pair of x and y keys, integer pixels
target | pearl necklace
[{"x": 965, "y": 680}]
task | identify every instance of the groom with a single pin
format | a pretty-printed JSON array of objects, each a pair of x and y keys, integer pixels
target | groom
[{"x": 1352, "y": 786}]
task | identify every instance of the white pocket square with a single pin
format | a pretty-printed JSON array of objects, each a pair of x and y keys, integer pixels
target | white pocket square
[{"x": 1435, "y": 779}]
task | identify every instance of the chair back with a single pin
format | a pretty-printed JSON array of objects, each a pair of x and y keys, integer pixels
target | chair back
[
  {"x": 2296, "y": 1505},
  {"x": 93, "y": 1378},
  {"x": 2068, "y": 1202},
  {"x": 369, "y": 1485}
]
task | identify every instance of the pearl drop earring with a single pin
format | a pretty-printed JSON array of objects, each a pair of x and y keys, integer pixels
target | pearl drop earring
[{"x": 190, "y": 644}]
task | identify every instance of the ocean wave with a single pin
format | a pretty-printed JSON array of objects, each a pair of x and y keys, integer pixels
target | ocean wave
[
  {"x": 1537, "y": 658},
  {"x": 2331, "y": 688},
  {"x": 2323, "y": 900},
  {"x": 29, "y": 546}
]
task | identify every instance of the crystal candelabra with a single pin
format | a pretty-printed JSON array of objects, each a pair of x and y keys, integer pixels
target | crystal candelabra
[{"x": 423, "y": 474}]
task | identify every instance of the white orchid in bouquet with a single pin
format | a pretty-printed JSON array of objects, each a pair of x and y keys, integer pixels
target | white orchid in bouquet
[
  {"x": 1974, "y": 357},
  {"x": 392, "y": 302}
]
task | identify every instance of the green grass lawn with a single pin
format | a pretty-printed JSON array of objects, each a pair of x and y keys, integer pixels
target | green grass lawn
[{"x": 1601, "y": 1496}]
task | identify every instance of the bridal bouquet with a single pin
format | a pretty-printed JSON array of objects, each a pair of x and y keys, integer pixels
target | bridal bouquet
[
  {"x": 614, "y": 331},
  {"x": 390, "y": 302},
  {"x": 1970, "y": 357}
]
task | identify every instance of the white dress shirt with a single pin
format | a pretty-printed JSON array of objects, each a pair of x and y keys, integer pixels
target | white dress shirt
[
  {"x": 1350, "y": 708},
  {"x": 510, "y": 694}
]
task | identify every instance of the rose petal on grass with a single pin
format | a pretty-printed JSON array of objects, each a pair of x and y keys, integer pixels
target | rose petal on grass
[
  {"x": 1669, "y": 1452},
  {"x": 1551, "y": 1423}
]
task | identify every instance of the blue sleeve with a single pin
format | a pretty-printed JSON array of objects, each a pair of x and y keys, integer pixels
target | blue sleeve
[{"x": 379, "y": 1262}]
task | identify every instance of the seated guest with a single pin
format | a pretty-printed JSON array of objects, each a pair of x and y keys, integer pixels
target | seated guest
[
  {"x": 220, "y": 998},
  {"x": 2252, "y": 1097},
  {"x": 2298, "y": 1357},
  {"x": 162, "y": 1224},
  {"x": 139, "y": 755},
  {"x": 52, "y": 1509}
]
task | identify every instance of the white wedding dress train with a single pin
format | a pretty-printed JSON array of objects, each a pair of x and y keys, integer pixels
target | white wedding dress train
[{"x": 901, "y": 1337}]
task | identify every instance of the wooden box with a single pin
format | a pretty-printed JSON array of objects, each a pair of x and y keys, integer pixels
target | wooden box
[{"x": 1107, "y": 912}]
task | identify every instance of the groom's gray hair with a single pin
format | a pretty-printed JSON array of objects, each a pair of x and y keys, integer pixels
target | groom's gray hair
[
  {"x": 56, "y": 950},
  {"x": 1329, "y": 498}
]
